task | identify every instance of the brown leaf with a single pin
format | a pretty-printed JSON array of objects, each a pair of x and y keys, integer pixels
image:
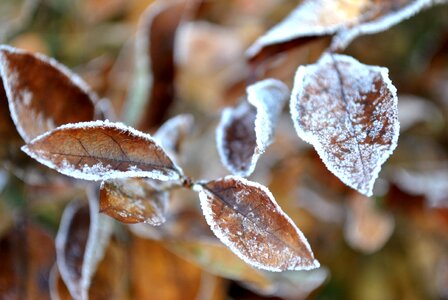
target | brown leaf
[
  {"x": 102, "y": 150},
  {"x": 133, "y": 200},
  {"x": 154, "y": 90},
  {"x": 245, "y": 132},
  {"x": 159, "y": 274},
  {"x": 81, "y": 242},
  {"x": 348, "y": 112},
  {"x": 42, "y": 93},
  {"x": 345, "y": 20},
  {"x": 246, "y": 218},
  {"x": 236, "y": 139},
  {"x": 367, "y": 228},
  {"x": 27, "y": 254}
]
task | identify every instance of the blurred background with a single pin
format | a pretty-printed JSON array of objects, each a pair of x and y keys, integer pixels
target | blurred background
[{"x": 391, "y": 246}]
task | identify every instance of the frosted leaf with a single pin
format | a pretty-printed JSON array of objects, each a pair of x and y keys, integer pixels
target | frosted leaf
[
  {"x": 173, "y": 132},
  {"x": 81, "y": 241},
  {"x": 246, "y": 218},
  {"x": 246, "y": 131},
  {"x": 348, "y": 112},
  {"x": 345, "y": 20},
  {"x": 367, "y": 228},
  {"x": 102, "y": 150},
  {"x": 133, "y": 200},
  {"x": 153, "y": 89},
  {"x": 42, "y": 93}
]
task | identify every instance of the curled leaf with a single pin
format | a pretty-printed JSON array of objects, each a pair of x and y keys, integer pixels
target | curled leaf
[
  {"x": 81, "y": 241},
  {"x": 102, "y": 150},
  {"x": 345, "y": 20},
  {"x": 348, "y": 112},
  {"x": 246, "y": 218},
  {"x": 42, "y": 93},
  {"x": 133, "y": 200},
  {"x": 246, "y": 131}
]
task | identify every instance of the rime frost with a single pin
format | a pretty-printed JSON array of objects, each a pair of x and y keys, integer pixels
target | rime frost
[
  {"x": 246, "y": 131},
  {"x": 348, "y": 112},
  {"x": 99, "y": 170},
  {"x": 246, "y": 218}
]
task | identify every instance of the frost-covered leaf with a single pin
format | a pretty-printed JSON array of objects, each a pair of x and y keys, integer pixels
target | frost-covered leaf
[
  {"x": 173, "y": 132},
  {"x": 367, "y": 228},
  {"x": 102, "y": 150},
  {"x": 133, "y": 200},
  {"x": 246, "y": 131},
  {"x": 81, "y": 242},
  {"x": 153, "y": 85},
  {"x": 246, "y": 218},
  {"x": 42, "y": 93},
  {"x": 345, "y": 20},
  {"x": 348, "y": 112}
]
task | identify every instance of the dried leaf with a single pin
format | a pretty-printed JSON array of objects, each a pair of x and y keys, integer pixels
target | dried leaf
[
  {"x": 367, "y": 228},
  {"x": 346, "y": 20},
  {"x": 153, "y": 87},
  {"x": 173, "y": 132},
  {"x": 246, "y": 218},
  {"x": 102, "y": 150},
  {"x": 348, "y": 112},
  {"x": 81, "y": 242},
  {"x": 245, "y": 132},
  {"x": 42, "y": 93},
  {"x": 27, "y": 254},
  {"x": 133, "y": 200},
  {"x": 159, "y": 274}
]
